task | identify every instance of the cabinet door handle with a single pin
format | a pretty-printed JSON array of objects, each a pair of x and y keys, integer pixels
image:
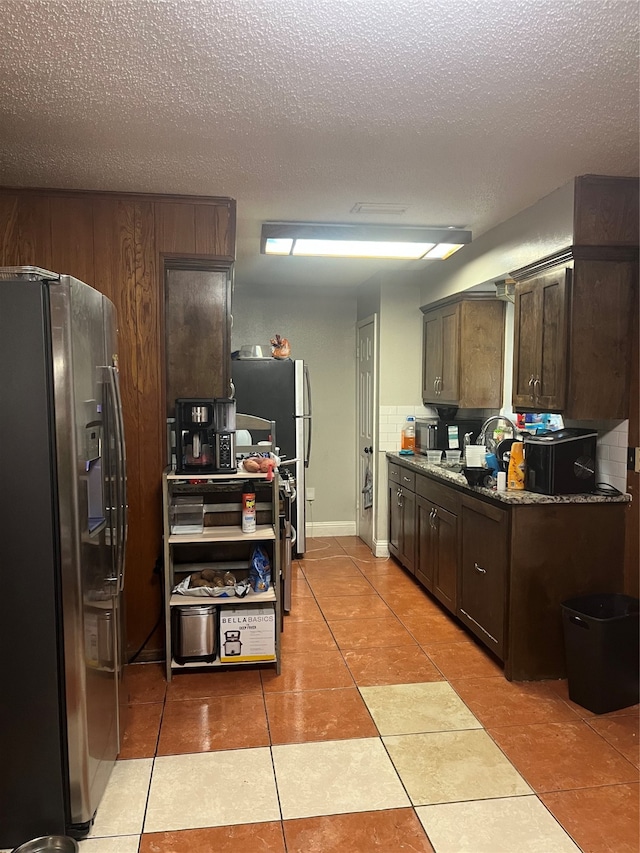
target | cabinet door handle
[
  {"x": 530, "y": 384},
  {"x": 479, "y": 569},
  {"x": 406, "y": 479},
  {"x": 536, "y": 388},
  {"x": 435, "y": 386},
  {"x": 400, "y": 496}
]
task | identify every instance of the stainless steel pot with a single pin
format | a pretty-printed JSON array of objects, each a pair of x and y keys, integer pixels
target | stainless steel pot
[{"x": 48, "y": 844}]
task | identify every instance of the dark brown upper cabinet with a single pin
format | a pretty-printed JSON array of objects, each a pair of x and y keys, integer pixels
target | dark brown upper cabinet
[
  {"x": 573, "y": 322},
  {"x": 197, "y": 316},
  {"x": 539, "y": 364},
  {"x": 463, "y": 343},
  {"x": 572, "y": 340}
]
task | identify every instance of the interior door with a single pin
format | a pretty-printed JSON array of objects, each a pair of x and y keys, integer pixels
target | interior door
[{"x": 367, "y": 463}]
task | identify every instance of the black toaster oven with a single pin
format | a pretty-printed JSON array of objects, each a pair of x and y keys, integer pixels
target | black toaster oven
[{"x": 561, "y": 462}]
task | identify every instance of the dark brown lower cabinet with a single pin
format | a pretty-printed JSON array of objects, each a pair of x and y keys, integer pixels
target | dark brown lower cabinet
[
  {"x": 402, "y": 517},
  {"x": 394, "y": 519},
  {"x": 425, "y": 561},
  {"x": 482, "y": 596},
  {"x": 504, "y": 569},
  {"x": 437, "y": 540}
]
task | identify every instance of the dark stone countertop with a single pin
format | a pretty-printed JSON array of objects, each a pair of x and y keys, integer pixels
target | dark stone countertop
[{"x": 453, "y": 476}]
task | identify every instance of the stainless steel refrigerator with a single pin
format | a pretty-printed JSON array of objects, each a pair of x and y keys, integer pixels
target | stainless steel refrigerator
[
  {"x": 63, "y": 526},
  {"x": 280, "y": 390}
]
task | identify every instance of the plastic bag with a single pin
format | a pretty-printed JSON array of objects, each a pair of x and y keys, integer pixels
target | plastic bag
[
  {"x": 259, "y": 570},
  {"x": 280, "y": 347},
  {"x": 237, "y": 588}
]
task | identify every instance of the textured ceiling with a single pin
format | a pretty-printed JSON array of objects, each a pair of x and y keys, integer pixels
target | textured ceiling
[{"x": 465, "y": 111}]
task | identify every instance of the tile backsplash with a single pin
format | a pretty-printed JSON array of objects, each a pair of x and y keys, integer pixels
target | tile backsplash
[
  {"x": 391, "y": 419},
  {"x": 613, "y": 438},
  {"x": 611, "y": 456}
]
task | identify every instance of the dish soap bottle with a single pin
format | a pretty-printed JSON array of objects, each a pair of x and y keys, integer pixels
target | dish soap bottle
[{"x": 408, "y": 441}]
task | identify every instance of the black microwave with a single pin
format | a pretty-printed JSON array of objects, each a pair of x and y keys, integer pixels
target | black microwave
[
  {"x": 445, "y": 435},
  {"x": 561, "y": 462}
]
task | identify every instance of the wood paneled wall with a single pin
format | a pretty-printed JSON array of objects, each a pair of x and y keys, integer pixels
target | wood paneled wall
[{"x": 118, "y": 244}]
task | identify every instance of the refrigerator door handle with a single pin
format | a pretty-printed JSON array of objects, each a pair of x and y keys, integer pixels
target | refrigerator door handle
[
  {"x": 123, "y": 480},
  {"x": 307, "y": 416},
  {"x": 116, "y": 499},
  {"x": 121, "y": 496}
]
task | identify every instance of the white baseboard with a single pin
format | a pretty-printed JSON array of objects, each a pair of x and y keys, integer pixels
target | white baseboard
[
  {"x": 331, "y": 528},
  {"x": 381, "y": 548}
]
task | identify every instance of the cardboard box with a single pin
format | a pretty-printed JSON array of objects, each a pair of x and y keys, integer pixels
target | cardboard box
[{"x": 247, "y": 634}]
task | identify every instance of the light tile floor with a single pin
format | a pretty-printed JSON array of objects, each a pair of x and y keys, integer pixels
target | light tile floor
[{"x": 389, "y": 729}]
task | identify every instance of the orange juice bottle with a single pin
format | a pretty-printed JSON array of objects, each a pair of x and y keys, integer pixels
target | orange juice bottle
[{"x": 408, "y": 441}]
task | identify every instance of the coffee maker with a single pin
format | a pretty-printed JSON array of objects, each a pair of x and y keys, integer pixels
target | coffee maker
[
  {"x": 224, "y": 448},
  {"x": 205, "y": 435}
]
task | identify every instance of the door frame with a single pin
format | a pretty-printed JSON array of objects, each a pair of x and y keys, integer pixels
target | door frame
[
  {"x": 632, "y": 532},
  {"x": 372, "y": 319}
]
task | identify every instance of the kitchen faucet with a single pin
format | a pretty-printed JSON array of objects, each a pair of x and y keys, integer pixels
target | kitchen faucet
[{"x": 488, "y": 440}]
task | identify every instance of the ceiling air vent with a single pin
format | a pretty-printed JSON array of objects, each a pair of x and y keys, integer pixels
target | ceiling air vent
[
  {"x": 506, "y": 290},
  {"x": 380, "y": 209}
]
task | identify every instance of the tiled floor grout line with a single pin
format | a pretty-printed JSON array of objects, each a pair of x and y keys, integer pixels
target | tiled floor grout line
[
  {"x": 300, "y": 571},
  {"x": 380, "y": 736},
  {"x": 484, "y": 729}
]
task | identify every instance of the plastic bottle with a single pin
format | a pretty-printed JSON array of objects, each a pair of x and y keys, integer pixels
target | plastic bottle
[
  {"x": 408, "y": 441},
  {"x": 515, "y": 477},
  {"x": 248, "y": 509}
]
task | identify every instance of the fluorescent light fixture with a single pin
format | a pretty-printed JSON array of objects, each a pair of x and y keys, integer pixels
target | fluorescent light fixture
[
  {"x": 359, "y": 249},
  {"x": 411, "y": 243},
  {"x": 443, "y": 251}
]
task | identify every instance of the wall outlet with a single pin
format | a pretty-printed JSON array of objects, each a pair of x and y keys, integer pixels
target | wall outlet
[{"x": 311, "y": 494}]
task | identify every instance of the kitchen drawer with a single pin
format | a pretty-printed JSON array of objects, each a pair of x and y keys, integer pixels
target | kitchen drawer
[
  {"x": 394, "y": 473},
  {"x": 402, "y": 476},
  {"x": 444, "y": 496},
  {"x": 407, "y": 479}
]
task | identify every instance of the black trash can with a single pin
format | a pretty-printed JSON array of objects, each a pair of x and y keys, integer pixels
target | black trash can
[{"x": 601, "y": 649}]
